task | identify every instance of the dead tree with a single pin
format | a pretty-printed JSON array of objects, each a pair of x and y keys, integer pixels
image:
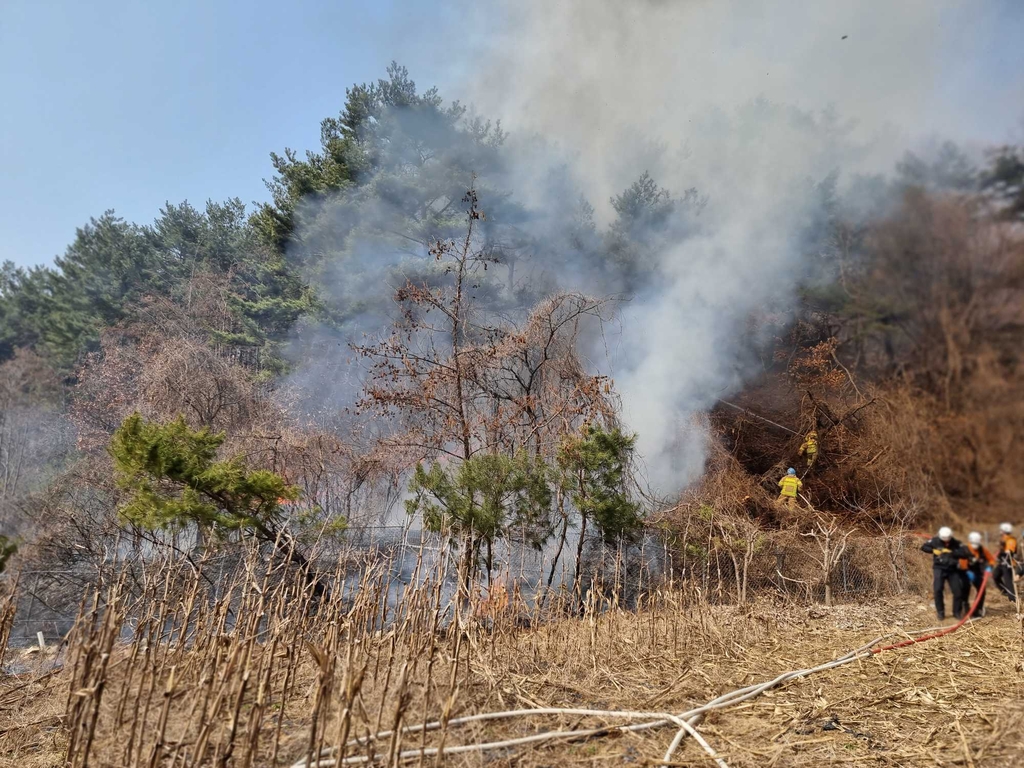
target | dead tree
[{"x": 831, "y": 539}]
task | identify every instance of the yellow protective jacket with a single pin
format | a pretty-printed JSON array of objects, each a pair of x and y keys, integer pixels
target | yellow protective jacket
[
  {"x": 810, "y": 446},
  {"x": 790, "y": 485}
]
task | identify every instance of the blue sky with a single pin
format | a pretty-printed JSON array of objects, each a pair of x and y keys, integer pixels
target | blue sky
[{"x": 126, "y": 105}]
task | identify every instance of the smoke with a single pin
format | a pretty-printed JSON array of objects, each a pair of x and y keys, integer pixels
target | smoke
[
  {"x": 754, "y": 104},
  {"x": 590, "y": 72},
  {"x": 758, "y": 106}
]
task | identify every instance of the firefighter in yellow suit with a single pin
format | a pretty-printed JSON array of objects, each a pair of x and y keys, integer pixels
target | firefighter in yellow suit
[
  {"x": 790, "y": 486},
  {"x": 810, "y": 447}
]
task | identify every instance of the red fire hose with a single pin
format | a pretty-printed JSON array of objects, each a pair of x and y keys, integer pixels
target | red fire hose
[{"x": 947, "y": 630}]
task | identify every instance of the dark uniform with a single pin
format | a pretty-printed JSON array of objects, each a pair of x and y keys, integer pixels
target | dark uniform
[
  {"x": 946, "y": 557},
  {"x": 976, "y": 565},
  {"x": 1006, "y": 562}
]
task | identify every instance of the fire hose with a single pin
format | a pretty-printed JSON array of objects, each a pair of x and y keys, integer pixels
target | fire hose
[
  {"x": 947, "y": 630},
  {"x": 686, "y": 721}
]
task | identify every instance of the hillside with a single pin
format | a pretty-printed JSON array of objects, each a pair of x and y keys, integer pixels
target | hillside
[{"x": 449, "y": 426}]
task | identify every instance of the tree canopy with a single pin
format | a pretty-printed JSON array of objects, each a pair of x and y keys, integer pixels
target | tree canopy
[{"x": 173, "y": 478}]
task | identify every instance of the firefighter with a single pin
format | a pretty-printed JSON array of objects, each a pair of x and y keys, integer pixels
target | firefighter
[
  {"x": 1019, "y": 570},
  {"x": 790, "y": 486},
  {"x": 946, "y": 553},
  {"x": 974, "y": 568},
  {"x": 810, "y": 447},
  {"x": 1006, "y": 562}
]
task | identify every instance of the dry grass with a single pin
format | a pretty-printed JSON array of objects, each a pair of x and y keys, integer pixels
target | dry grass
[
  {"x": 265, "y": 677},
  {"x": 951, "y": 701}
]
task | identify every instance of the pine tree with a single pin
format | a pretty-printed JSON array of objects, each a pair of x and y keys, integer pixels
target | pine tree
[
  {"x": 173, "y": 478},
  {"x": 1003, "y": 179},
  {"x": 481, "y": 500},
  {"x": 593, "y": 473}
]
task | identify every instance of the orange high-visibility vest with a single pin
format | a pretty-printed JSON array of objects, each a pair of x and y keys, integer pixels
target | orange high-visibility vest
[{"x": 979, "y": 553}]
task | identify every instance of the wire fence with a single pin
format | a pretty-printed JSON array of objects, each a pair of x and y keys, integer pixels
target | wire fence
[
  {"x": 854, "y": 569},
  {"x": 783, "y": 565}
]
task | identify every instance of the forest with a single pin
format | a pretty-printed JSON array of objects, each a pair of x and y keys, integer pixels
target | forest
[{"x": 404, "y": 338}]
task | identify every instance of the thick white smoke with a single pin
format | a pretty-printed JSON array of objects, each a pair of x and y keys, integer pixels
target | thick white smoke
[
  {"x": 736, "y": 98},
  {"x": 754, "y": 104}
]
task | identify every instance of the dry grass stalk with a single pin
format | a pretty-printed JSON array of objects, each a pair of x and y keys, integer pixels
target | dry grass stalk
[{"x": 256, "y": 670}]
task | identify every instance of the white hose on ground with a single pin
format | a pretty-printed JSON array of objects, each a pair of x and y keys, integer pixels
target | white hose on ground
[
  {"x": 762, "y": 418},
  {"x": 537, "y": 737},
  {"x": 686, "y": 728},
  {"x": 686, "y": 720},
  {"x": 690, "y": 718}
]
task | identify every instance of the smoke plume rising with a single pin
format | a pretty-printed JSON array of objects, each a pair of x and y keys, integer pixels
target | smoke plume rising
[
  {"x": 754, "y": 104},
  {"x": 759, "y": 107}
]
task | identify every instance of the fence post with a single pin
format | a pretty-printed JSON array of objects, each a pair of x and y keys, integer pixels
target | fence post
[
  {"x": 780, "y": 563},
  {"x": 31, "y": 606}
]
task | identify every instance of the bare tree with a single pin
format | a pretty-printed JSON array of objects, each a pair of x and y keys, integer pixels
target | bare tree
[
  {"x": 34, "y": 439},
  {"x": 831, "y": 538},
  {"x": 457, "y": 377}
]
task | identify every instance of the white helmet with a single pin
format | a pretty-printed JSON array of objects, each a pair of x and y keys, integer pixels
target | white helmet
[
  {"x": 974, "y": 537},
  {"x": 1006, "y": 528},
  {"x": 945, "y": 533}
]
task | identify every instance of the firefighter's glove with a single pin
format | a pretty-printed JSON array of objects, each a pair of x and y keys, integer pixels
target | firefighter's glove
[
  {"x": 970, "y": 576},
  {"x": 988, "y": 569}
]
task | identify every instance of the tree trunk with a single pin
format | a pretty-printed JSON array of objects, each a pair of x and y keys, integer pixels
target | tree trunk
[
  {"x": 466, "y": 565},
  {"x": 457, "y": 321},
  {"x": 828, "y": 568},
  {"x": 748, "y": 556},
  {"x": 740, "y": 598},
  {"x": 558, "y": 553},
  {"x": 490, "y": 562},
  {"x": 579, "y": 555}
]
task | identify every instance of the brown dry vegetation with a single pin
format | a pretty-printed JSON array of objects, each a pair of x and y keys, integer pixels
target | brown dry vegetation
[
  {"x": 265, "y": 677},
  {"x": 197, "y": 644},
  {"x": 908, "y": 365}
]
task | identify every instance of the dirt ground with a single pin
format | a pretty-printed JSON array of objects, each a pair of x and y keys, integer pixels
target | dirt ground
[{"x": 950, "y": 701}]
